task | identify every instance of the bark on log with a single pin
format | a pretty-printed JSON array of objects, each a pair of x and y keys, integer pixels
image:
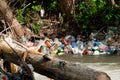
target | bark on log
[
  {"x": 10, "y": 18},
  {"x": 54, "y": 68},
  {"x": 115, "y": 4}
]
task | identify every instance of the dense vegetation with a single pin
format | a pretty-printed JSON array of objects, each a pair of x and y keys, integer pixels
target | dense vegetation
[{"x": 87, "y": 13}]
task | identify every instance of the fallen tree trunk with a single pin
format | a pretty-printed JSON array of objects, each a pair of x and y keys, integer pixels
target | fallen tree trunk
[{"x": 54, "y": 68}]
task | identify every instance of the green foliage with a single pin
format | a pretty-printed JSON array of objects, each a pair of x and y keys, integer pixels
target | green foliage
[
  {"x": 19, "y": 15},
  {"x": 61, "y": 18},
  {"x": 36, "y": 7},
  {"x": 27, "y": 14},
  {"x": 35, "y": 28},
  {"x": 111, "y": 15},
  {"x": 108, "y": 15},
  {"x": 88, "y": 11},
  {"x": 52, "y": 5}
]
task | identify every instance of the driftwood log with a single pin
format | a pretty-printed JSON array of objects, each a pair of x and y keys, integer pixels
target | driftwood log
[{"x": 47, "y": 65}]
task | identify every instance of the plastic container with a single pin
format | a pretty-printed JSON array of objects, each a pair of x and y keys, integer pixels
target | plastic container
[
  {"x": 3, "y": 77},
  {"x": 64, "y": 42},
  {"x": 61, "y": 53},
  {"x": 55, "y": 46},
  {"x": 48, "y": 44},
  {"x": 84, "y": 52}
]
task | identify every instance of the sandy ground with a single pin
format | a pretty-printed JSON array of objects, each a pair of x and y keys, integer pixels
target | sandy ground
[
  {"x": 112, "y": 69},
  {"x": 40, "y": 77}
]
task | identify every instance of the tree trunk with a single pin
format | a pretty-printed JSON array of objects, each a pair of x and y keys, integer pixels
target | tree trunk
[
  {"x": 67, "y": 7},
  {"x": 52, "y": 67},
  {"x": 114, "y": 4},
  {"x": 10, "y": 18}
]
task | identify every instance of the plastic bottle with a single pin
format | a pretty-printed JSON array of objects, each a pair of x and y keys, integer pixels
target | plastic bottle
[
  {"x": 48, "y": 44},
  {"x": 55, "y": 46},
  {"x": 64, "y": 42},
  {"x": 60, "y": 51},
  {"x": 3, "y": 77}
]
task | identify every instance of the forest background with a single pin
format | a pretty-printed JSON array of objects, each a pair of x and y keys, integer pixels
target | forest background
[{"x": 65, "y": 16}]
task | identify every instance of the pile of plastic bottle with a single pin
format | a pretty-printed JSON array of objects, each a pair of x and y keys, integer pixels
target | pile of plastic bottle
[{"x": 76, "y": 44}]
